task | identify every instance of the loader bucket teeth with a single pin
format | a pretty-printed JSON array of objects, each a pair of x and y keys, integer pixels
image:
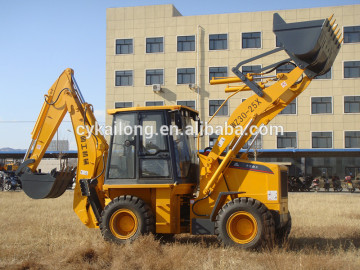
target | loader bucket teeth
[
  {"x": 312, "y": 45},
  {"x": 41, "y": 185}
]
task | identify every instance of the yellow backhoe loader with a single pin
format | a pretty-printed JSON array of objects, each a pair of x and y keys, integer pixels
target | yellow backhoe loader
[{"x": 160, "y": 184}]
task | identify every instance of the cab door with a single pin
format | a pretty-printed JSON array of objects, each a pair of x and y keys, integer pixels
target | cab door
[
  {"x": 122, "y": 156},
  {"x": 154, "y": 154}
]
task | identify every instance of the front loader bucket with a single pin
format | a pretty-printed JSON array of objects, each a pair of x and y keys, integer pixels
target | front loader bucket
[
  {"x": 41, "y": 185},
  {"x": 312, "y": 45}
]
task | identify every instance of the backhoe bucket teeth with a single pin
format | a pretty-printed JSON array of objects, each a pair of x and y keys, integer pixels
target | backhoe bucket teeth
[
  {"x": 312, "y": 45},
  {"x": 42, "y": 185}
]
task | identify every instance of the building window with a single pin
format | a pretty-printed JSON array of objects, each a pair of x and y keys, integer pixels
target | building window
[
  {"x": 251, "y": 40},
  {"x": 322, "y": 140},
  {"x": 352, "y": 104},
  {"x": 186, "y": 43},
  {"x": 257, "y": 144},
  {"x": 217, "y": 72},
  {"x": 321, "y": 105},
  {"x": 291, "y": 108},
  {"x": 352, "y": 139},
  {"x": 154, "y": 103},
  {"x": 188, "y": 103},
  {"x": 154, "y": 45},
  {"x": 352, "y": 69},
  {"x": 326, "y": 76},
  {"x": 287, "y": 140},
  {"x": 215, "y": 104},
  {"x": 218, "y": 42},
  {"x": 154, "y": 76},
  {"x": 351, "y": 34},
  {"x": 322, "y": 171},
  {"x": 119, "y": 105},
  {"x": 124, "y": 46},
  {"x": 252, "y": 69},
  {"x": 123, "y": 78},
  {"x": 286, "y": 68},
  {"x": 185, "y": 75}
]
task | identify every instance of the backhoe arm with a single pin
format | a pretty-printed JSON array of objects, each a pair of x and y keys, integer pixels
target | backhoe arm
[
  {"x": 64, "y": 96},
  {"x": 51, "y": 115}
]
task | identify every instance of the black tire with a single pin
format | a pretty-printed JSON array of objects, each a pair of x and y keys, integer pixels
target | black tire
[
  {"x": 282, "y": 234},
  {"x": 254, "y": 215},
  {"x": 132, "y": 210}
]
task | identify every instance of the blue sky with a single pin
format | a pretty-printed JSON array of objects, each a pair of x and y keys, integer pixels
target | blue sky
[{"x": 40, "y": 38}]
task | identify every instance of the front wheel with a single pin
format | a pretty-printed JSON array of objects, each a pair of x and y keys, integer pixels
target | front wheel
[
  {"x": 126, "y": 218},
  {"x": 246, "y": 223}
]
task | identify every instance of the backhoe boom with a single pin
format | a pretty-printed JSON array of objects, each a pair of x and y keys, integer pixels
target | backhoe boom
[{"x": 64, "y": 96}]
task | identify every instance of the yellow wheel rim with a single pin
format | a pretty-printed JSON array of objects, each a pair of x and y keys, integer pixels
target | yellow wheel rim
[
  {"x": 123, "y": 223},
  {"x": 241, "y": 227}
]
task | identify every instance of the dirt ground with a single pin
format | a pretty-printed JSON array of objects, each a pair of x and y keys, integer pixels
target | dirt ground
[{"x": 46, "y": 234}]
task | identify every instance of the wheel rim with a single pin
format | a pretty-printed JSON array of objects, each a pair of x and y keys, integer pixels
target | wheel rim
[
  {"x": 123, "y": 224},
  {"x": 242, "y": 227}
]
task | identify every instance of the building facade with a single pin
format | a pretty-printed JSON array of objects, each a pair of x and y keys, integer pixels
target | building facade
[{"x": 156, "y": 56}]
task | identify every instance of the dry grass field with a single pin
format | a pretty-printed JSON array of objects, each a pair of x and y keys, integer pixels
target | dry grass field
[{"x": 46, "y": 234}]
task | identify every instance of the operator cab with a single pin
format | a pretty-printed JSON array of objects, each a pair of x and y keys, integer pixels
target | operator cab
[{"x": 153, "y": 145}]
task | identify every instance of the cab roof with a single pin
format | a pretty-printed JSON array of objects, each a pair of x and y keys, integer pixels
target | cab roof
[{"x": 152, "y": 108}]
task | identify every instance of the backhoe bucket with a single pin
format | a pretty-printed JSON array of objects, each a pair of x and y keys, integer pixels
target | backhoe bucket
[
  {"x": 42, "y": 185},
  {"x": 312, "y": 45}
]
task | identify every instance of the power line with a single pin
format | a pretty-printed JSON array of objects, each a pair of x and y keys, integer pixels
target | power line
[{"x": 24, "y": 121}]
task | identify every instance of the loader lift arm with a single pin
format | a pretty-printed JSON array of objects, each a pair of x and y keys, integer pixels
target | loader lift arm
[
  {"x": 64, "y": 96},
  {"x": 313, "y": 59}
]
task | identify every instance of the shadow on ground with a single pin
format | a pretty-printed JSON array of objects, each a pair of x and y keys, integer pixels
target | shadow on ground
[
  {"x": 293, "y": 244},
  {"x": 324, "y": 244}
]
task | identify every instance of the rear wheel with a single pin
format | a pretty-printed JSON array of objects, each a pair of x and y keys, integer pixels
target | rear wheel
[
  {"x": 246, "y": 223},
  {"x": 126, "y": 218}
]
